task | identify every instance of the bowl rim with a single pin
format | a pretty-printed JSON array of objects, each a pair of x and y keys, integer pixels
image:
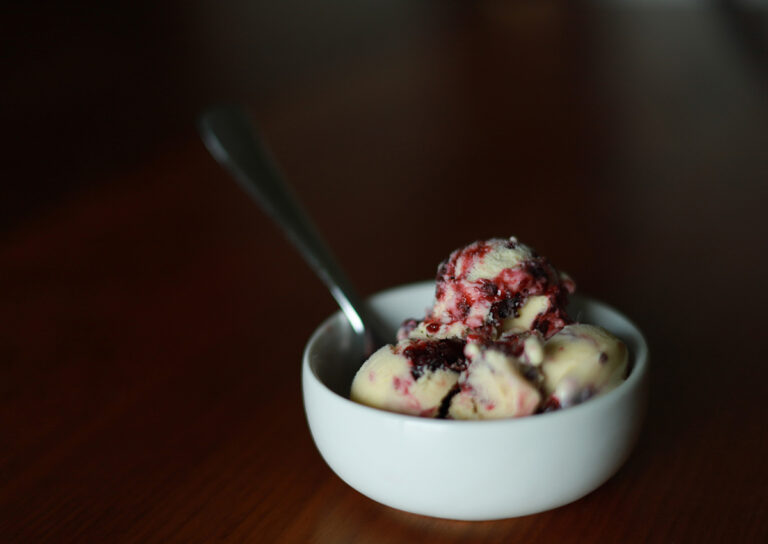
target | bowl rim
[{"x": 639, "y": 370}]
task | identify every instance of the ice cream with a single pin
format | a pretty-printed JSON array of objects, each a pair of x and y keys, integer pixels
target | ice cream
[
  {"x": 496, "y": 343},
  {"x": 581, "y": 361},
  {"x": 494, "y": 287},
  {"x": 497, "y": 384},
  {"x": 411, "y": 377}
]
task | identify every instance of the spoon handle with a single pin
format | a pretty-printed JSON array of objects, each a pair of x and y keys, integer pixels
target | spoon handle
[{"x": 229, "y": 136}]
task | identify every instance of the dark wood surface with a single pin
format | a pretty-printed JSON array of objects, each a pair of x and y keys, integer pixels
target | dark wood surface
[{"x": 152, "y": 319}]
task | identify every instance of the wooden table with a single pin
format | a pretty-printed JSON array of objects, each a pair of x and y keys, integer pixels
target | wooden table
[{"x": 152, "y": 319}]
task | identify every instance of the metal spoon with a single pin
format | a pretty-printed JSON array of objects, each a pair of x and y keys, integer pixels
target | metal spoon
[{"x": 231, "y": 139}]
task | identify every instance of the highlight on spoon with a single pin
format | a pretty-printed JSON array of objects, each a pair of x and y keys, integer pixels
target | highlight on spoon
[{"x": 233, "y": 141}]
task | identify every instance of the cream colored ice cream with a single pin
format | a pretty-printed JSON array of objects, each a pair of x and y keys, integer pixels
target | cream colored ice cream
[
  {"x": 493, "y": 386},
  {"x": 497, "y": 343},
  {"x": 581, "y": 361},
  {"x": 399, "y": 379},
  {"x": 468, "y": 275},
  {"x": 496, "y": 286},
  {"x": 533, "y": 308}
]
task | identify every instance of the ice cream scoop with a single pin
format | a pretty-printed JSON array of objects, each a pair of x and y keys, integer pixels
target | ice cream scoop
[
  {"x": 411, "y": 377},
  {"x": 581, "y": 361},
  {"x": 496, "y": 384},
  {"x": 514, "y": 350},
  {"x": 494, "y": 286}
]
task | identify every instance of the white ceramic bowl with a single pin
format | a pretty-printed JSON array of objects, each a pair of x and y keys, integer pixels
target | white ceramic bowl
[{"x": 468, "y": 470}]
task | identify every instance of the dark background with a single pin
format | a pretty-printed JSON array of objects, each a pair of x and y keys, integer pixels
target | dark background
[{"x": 153, "y": 319}]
